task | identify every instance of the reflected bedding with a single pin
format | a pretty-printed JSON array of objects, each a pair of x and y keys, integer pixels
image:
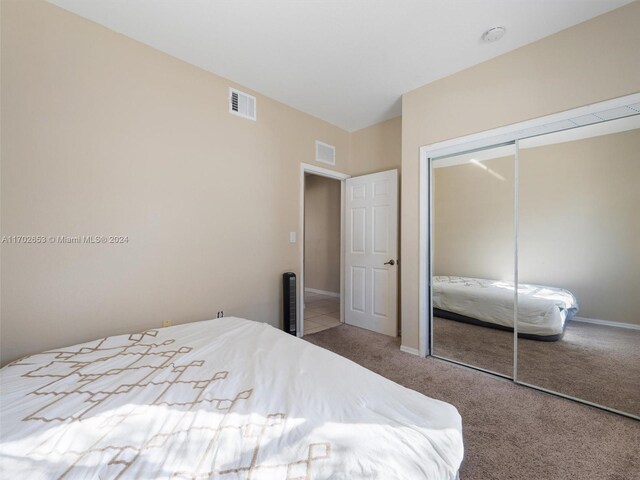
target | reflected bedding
[
  {"x": 226, "y": 399},
  {"x": 542, "y": 311}
]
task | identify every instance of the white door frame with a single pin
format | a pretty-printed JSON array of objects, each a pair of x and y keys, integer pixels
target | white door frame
[
  {"x": 517, "y": 131},
  {"x": 342, "y": 177}
]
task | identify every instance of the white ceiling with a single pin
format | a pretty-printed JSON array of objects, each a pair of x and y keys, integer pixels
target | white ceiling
[{"x": 345, "y": 61}]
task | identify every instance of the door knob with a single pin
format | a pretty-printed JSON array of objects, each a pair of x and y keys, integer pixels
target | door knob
[{"x": 390, "y": 262}]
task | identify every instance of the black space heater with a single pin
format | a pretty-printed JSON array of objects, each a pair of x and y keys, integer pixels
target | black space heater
[{"x": 289, "y": 302}]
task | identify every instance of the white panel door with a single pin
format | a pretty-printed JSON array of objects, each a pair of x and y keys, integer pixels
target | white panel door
[{"x": 371, "y": 252}]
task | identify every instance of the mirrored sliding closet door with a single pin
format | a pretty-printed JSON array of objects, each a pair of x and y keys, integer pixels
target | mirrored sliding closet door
[
  {"x": 473, "y": 263},
  {"x": 579, "y": 263},
  {"x": 534, "y": 253}
]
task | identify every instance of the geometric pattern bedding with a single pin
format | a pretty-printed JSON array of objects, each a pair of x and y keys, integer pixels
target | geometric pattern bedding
[{"x": 226, "y": 399}]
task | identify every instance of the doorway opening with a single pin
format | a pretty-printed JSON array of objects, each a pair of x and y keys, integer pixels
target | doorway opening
[
  {"x": 322, "y": 252},
  {"x": 364, "y": 251}
]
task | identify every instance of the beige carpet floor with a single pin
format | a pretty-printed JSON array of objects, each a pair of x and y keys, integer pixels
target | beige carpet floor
[
  {"x": 510, "y": 432},
  {"x": 593, "y": 362},
  {"x": 483, "y": 347}
]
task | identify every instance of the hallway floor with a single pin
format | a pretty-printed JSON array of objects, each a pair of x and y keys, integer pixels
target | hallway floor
[{"x": 320, "y": 313}]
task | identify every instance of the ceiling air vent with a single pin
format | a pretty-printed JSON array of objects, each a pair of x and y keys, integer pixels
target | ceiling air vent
[
  {"x": 325, "y": 153},
  {"x": 242, "y": 104}
]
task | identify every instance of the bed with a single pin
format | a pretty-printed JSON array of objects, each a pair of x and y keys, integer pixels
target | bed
[
  {"x": 542, "y": 311},
  {"x": 227, "y": 399}
]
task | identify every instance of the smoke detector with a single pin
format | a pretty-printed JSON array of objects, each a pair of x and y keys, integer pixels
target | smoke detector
[{"x": 493, "y": 34}]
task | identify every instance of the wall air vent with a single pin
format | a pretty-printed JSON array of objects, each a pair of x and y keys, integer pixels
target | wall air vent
[
  {"x": 325, "y": 153},
  {"x": 242, "y": 104}
]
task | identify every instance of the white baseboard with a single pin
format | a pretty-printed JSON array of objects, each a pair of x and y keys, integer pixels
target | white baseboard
[
  {"x": 322, "y": 292},
  {"x": 412, "y": 351},
  {"x": 608, "y": 323}
]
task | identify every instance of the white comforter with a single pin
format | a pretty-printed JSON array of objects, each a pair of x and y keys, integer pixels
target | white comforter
[
  {"x": 541, "y": 310},
  {"x": 226, "y": 399}
]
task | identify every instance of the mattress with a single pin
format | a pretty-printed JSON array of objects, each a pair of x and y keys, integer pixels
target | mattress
[
  {"x": 227, "y": 399},
  {"x": 542, "y": 311}
]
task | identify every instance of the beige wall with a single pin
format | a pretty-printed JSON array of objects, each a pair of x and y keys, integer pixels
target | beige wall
[
  {"x": 579, "y": 222},
  {"x": 322, "y": 233},
  {"x": 376, "y": 148},
  {"x": 579, "y": 226},
  {"x": 473, "y": 220},
  {"x": 591, "y": 62},
  {"x": 102, "y": 135}
]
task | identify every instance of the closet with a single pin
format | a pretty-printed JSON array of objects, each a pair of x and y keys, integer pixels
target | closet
[{"x": 533, "y": 254}]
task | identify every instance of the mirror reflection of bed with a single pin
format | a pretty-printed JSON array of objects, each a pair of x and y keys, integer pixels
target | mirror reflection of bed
[
  {"x": 461, "y": 303},
  {"x": 578, "y": 261}
]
